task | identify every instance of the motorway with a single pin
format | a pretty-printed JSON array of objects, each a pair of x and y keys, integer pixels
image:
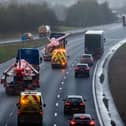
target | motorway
[{"x": 56, "y": 84}]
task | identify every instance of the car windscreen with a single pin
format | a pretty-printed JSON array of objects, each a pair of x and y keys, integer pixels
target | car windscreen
[{"x": 86, "y": 56}]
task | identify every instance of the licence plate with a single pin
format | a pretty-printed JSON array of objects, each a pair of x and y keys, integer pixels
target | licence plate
[{"x": 28, "y": 78}]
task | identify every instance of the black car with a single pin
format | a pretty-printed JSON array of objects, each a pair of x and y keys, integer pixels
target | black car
[
  {"x": 74, "y": 104},
  {"x": 82, "y": 69},
  {"x": 81, "y": 119}
]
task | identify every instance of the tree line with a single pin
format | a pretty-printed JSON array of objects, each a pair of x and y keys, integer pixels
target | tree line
[{"x": 21, "y": 18}]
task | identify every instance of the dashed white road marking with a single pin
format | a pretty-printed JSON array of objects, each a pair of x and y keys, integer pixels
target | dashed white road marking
[
  {"x": 6, "y": 124},
  {"x": 57, "y": 104},
  {"x": 58, "y": 96},
  {"x": 54, "y": 125},
  {"x": 64, "y": 77},
  {"x": 55, "y": 114},
  {"x": 60, "y": 88},
  {"x": 62, "y": 82}
]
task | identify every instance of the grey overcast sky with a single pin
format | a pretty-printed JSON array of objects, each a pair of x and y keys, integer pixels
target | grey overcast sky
[{"x": 112, "y": 3}]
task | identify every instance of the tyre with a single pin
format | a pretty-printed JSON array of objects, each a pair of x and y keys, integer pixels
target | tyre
[
  {"x": 76, "y": 75},
  {"x": 88, "y": 74}
]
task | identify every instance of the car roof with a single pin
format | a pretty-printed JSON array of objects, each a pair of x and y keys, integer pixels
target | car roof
[
  {"x": 97, "y": 32},
  {"x": 82, "y": 114},
  {"x": 82, "y": 64},
  {"x": 74, "y": 96}
]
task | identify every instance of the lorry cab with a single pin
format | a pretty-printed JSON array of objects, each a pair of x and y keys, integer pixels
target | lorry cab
[
  {"x": 31, "y": 55},
  {"x": 94, "y": 43},
  {"x": 30, "y": 108}
]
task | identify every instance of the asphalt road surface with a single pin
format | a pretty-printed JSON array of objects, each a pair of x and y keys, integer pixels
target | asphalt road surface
[{"x": 56, "y": 84}]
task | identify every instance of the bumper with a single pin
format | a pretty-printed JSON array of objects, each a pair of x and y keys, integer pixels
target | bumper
[
  {"x": 47, "y": 58},
  {"x": 29, "y": 119},
  {"x": 59, "y": 66},
  {"x": 74, "y": 110}
]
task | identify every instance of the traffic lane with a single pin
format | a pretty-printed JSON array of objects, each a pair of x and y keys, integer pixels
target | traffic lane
[
  {"x": 77, "y": 86},
  {"x": 50, "y": 79},
  {"x": 54, "y": 93}
]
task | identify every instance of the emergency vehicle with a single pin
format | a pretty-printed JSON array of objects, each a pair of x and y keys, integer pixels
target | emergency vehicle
[
  {"x": 30, "y": 108},
  {"x": 59, "y": 58},
  {"x": 56, "y": 40}
]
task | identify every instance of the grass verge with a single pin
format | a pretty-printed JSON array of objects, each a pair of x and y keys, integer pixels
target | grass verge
[{"x": 8, "y": 51}]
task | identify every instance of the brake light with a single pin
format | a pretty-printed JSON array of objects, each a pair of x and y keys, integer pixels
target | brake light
[
  {"x": 92, "y": 123},
  {"x": 67, "y": 103},
  {"x": 40, "y": 113},
  {"x": 81, "y": 104},
  {"x": 76, "y": 68},
  {"x": 72, "y": 122},
  {"x": 87, "y": 68}
]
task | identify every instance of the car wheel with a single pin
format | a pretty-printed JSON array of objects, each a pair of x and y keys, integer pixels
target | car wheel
[
  {"x": 88, "y": 74},
  {"x": 76, "y": 75}
]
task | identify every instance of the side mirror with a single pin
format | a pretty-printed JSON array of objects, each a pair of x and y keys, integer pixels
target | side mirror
[
  {"x": 85, "y": 100},
  {"x": 68, "y": 56},
  {"x": 40, "y": 59},
  {"x": 104, "y": 40},
  {"x": 44, "y": 105},
  {"x": 18, "y": 106}
]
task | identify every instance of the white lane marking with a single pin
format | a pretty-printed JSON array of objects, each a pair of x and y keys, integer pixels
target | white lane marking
[
  {"x": 55, "y": 114},
  {"x": 67, "y": 72},
  {"x": 62, "y": 83},
  {"x": 64, "y": 77},
  {"x": 57, "y": 104},
  {"x": 6, "y": 124},
  {"x": 54, "y": 125},
  {"x": 58, "y": 96},
  {"x": 94, "y": 96},
  {"x": 60, "y": 88}
]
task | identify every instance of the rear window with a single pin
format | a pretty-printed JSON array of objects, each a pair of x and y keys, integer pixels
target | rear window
[
  {"x": 82, "y": 66},
  {"x": 86, "y": 56},
  {"x": 84, "y": 119},
  {"x": 75, "y": 99}
]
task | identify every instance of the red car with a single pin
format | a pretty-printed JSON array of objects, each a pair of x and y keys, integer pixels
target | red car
[
  {"x": 82, "y": 69},
  {"x": 87, "y": 58},
  {"x": 81, "y": 119}
]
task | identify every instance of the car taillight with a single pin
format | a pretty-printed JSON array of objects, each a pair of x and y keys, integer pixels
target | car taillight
[
  {"x": 40, "y": 113},
  {"x": 92, "y": 123},
  {"x": 72, "y": 122},
  {"x": 76, "y": 68},
  {"x": 81, "y": 104},
  {"x": 67, "y": 103},
  {"x": 87, "y": 68}
]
